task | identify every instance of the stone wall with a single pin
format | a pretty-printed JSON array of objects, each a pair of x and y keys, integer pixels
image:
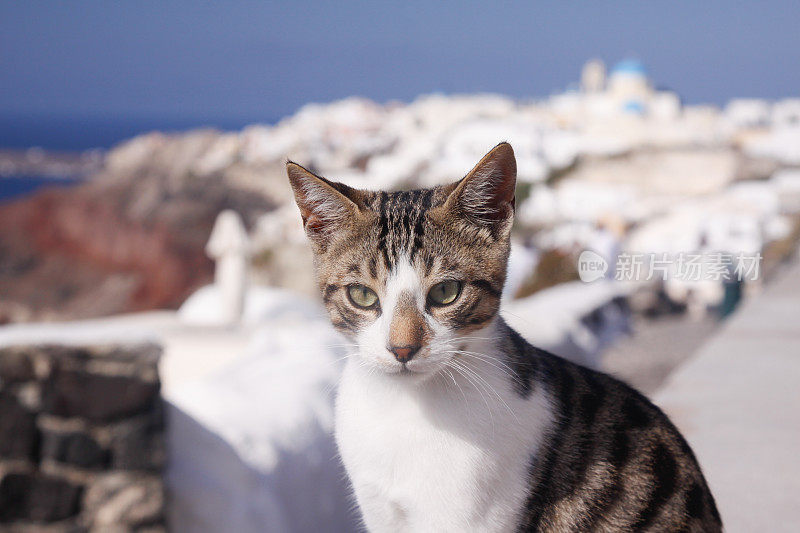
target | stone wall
[{"x": 81, "y": 438}]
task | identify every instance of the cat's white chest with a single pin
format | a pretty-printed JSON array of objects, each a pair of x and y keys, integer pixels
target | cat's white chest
[{"x": 430, "y": 463}]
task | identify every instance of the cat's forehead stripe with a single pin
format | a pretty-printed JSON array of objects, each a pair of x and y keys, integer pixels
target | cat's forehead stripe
[{"x": 402, "y": 223}]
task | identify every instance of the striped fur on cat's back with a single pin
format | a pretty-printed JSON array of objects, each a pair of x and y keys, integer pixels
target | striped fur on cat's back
[
  {"x": 613, "y": 462},
  {"x": 446, "y": 418}
]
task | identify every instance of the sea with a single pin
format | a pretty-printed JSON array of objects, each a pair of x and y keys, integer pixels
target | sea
[
  {"x": 81, "y": 133},
  {"x": 12, "y": 187}
]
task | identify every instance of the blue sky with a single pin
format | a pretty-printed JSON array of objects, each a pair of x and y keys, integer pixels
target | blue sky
[{"x": 259, "y": 61}]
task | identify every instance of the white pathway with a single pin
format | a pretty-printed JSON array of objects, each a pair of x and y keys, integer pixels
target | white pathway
[{"x": 737, "y": 401}]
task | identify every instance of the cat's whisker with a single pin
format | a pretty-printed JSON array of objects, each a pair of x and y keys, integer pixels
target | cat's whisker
[
  {"x": 346, "y": 356},
  {"x": 493, "y": 390},
  {"x": 465, "y": 372},
  {"x": 335, "y": 346},
  {"x": 527, "y": 321},
  {"x": 503, "y": 370},
  {"x": 471, "y": 338},
  {"x": 467, "y": 403},
  {"x": 484, "y": 385},
  {"x": 332, "y": 386},
  {"x": 459, "y": 387},
  {"x": 484, "y": 357},
  {"x": 503, "y": 367},
  {"x": 478, "y": 377}
]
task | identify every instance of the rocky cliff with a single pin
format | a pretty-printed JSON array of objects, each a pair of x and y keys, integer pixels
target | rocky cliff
[{"x": 131, "y": 238}]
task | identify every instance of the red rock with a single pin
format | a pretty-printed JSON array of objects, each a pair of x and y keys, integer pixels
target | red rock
[{"x": 119, "y": 243}]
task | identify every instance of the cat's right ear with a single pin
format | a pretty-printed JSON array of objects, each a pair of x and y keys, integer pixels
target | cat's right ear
[
  {"x": 324, "y": 207},
  {"x": 485, "y": 196}
]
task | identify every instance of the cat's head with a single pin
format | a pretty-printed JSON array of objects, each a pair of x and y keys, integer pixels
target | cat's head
[{"x": 411, "y": 276}]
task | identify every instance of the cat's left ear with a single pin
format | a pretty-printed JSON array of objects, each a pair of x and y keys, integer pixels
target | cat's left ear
[
  {"x": 325, "y": 206},
  {"x": 485, "y": 196}
]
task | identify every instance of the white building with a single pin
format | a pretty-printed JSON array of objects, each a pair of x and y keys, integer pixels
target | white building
[{"x": 626, "y": 92}]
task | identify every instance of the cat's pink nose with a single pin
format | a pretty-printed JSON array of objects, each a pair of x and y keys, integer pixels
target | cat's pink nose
[{"x": 404, "y": 354}]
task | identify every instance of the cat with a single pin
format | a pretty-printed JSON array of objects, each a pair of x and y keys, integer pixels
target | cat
[{"x": 446, "y": 418}]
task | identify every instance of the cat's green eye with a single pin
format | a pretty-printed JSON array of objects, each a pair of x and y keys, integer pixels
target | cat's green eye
[
  {"x": 444, "y": 293},
  {"x": 362, "y": 296}
]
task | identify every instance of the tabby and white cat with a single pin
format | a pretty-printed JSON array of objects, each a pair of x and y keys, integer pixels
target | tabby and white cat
[{"x": 447, "y": 420}]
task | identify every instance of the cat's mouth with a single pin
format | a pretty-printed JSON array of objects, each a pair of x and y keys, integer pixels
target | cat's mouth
[
  {"x": 410, "y": 371},
  {"x": 410, "y": 376},
  {"x": 421, "y": 366},
  {"x": 401, "y": 370},
  {"x": 405, "y": 371}
]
